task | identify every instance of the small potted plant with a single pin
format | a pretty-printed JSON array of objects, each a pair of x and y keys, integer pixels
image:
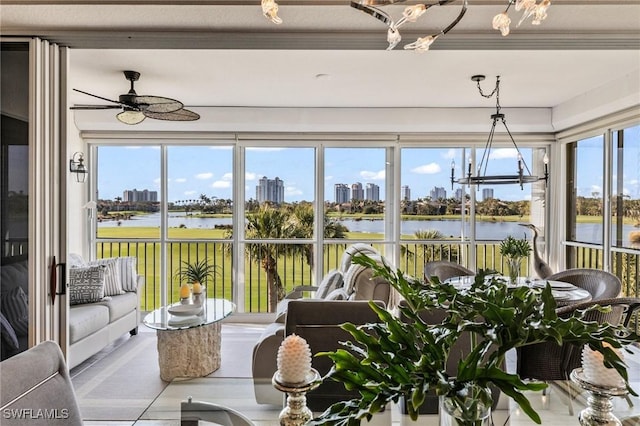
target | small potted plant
[
  {"x": 194, "y": 277},
  {"x": 514, "y": 251}
]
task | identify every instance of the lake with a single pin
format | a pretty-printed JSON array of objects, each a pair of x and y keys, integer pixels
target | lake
[{"x": 587, "y": 232}]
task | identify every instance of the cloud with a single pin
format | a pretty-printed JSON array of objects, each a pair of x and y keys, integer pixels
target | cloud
[
  {"x": 157, "y": 181},
  {"x": 204, "y": 176},
  {"x": 595, "y": 188},
  {"x": 249, "y": 176},
  {"x": 372, "y": 175},
  {"x": 190, "y": 193},
  {"x": 221, "y": 147},
  {"x": 292, "y": 190},
  {"x": 328, "y": 178},
  {"x": 449, "y": 154},
  {"x": 502, "y": 153},
  {"x": 221, "y": 184},
  {"x": 180, "y": 180},
  {"x": 427, "y": 169},
  {"x": 227, "y": 176}
]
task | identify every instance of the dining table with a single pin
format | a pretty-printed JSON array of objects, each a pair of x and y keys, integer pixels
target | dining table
[{"x": 564, "y": 293}]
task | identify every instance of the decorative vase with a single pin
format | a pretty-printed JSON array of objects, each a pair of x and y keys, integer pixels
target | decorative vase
[
  {"x": 513, "y": 266},
  {"x": 470, "y": 406}
]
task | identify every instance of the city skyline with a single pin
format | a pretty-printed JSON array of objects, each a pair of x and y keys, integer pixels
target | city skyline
[{"x": 196, "y": 170}]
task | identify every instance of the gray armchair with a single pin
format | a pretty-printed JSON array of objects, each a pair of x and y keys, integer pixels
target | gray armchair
[
  {"x": 317, "y": 320},
  {"x": 38, "y": 379}
]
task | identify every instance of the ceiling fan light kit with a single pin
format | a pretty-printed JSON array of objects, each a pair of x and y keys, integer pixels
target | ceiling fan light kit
[
  {"x": 501, "y": 22},
  {"x": 135, "y": 108}
]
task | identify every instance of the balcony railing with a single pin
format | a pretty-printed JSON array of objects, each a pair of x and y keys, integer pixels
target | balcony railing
[{"x": 293, "y": 266}]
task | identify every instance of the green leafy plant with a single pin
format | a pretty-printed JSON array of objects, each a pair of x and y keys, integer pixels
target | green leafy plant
[
  {"x": 513, "y": 248},
  {"x": 199, "y": 271},
  {"x": 407, "y": 358}
]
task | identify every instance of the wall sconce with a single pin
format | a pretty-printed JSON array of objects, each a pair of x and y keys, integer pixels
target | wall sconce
[{"x": 76, "y": 165}]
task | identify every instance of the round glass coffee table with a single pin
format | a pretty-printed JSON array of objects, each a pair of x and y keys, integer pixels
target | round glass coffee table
[{"x": 189, "y": 338}]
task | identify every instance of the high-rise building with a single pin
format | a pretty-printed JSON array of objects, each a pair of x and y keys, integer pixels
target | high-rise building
[
  {"x": 133, "y": 195},
  {"x": 459, "y": 193},
  {"x": 405, "y": 193},
  {"x": 438, "y": 192},
  {"x": 357, "y": 193},
  {"x": 271, "y": 190},
  {"x": 487, "y": 193},
  {"x": 372, "y": 192},
  {"x": 341, "y": 193}
]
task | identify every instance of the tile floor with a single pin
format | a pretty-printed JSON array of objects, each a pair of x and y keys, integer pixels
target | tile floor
[{"x": 121, "y": 387}]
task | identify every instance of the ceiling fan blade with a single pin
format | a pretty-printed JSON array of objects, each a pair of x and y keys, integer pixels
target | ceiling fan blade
[
  {"x": 157, "y": 104},
  {"x": 96, "y": 107},
  {"x": 99, "y": 97},
  {"x": 179, "y": 115}
]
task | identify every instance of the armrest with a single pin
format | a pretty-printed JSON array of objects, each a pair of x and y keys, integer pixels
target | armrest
[
  {"x": 297, "y": 291},
  {"x": 140, "y": 282}
]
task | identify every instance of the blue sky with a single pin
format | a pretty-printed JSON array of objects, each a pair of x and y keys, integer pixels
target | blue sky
[{"x": 195, "y": 170}]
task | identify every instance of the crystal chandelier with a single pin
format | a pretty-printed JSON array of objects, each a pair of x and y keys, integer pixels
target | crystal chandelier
[
  {"x": 501, "y": 22},
  {"x": 481, "y": 177}
]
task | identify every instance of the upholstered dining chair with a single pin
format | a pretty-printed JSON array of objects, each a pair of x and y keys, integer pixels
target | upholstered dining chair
[
  {"x": 549, "y": 361},
  {"x": 601, "y": 284},
  {"x": 444, "y": 269}
]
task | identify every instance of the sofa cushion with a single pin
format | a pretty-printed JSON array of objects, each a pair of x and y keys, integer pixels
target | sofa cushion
[
  {"x": 15, "y": 307},
  {"x": 15, "y": 275},
  {"x": 120, "y": 305},
  {"x": 86, "y": 285},
  {"x": 112, "y": 283},
  {"x": 86, "y": 319},
  {"x": 8, "y": 333}
]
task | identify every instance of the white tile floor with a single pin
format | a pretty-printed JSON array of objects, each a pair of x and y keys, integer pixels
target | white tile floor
[{"x": 234, "y": 388}]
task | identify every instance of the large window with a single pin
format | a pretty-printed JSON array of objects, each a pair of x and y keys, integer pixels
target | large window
[
  {"x": 172, "y": 204},
  {"x": 625, "y": 224},
  {"x": 355, "y": 193},
  {"x": 586, "y": 191},
  {"x": 128, "y": 192}
]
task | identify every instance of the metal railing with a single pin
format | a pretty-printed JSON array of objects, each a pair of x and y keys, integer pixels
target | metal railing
[{"x": 292, "y": 264}]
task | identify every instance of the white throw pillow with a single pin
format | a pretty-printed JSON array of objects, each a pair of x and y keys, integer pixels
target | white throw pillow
[
  {"x": 128, "y": 273},
  {"x": 112, "y": 283}
]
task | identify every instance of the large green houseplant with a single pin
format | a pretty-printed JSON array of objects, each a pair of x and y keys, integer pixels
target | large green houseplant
[{"x": 406, "y": 358}]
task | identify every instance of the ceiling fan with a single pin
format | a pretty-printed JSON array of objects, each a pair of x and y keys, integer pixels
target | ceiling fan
[{"x": 136, "y": 108}]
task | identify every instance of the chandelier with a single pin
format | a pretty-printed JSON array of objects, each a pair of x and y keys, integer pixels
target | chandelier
[
  {"x": 501, "y": 22},
  {"x": 481, "y": 177}
]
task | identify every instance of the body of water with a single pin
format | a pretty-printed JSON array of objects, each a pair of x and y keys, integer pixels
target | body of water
[{"x": 586, "y": 232}]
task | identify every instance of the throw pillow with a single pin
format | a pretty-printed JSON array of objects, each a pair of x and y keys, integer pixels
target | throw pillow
[
  {"x": 8, "y": 333},
  {"x": 329, "y": 282},
  {"x": 112, "y": 283},
  {"x": 128, "y": 273},
  {"x": 86, "y": 285},
  {"x": 15, "y": 307},
  {"x": 74, "y": 260}
]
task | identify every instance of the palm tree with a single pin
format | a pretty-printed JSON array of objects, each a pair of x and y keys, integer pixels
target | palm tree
[
  {"x": 435, "y": 252},
  {"x": 269, "y": 223}
]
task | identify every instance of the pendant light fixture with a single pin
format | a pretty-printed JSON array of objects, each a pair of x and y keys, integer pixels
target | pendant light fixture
[{"x": 522, "y": 175}]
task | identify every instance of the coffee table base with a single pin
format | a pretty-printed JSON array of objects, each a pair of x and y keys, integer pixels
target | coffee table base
[{"x": 193, "y": 352}]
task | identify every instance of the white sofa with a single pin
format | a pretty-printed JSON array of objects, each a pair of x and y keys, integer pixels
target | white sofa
[{"x": 93, "y": 326}]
